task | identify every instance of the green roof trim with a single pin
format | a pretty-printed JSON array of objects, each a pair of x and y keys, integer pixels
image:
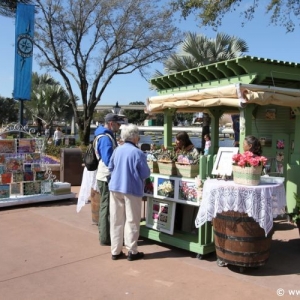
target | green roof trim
[{"x": 246, "y": 69}]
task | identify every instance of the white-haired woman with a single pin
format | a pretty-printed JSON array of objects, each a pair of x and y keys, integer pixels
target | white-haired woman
[{"x": 129, "y": 169}]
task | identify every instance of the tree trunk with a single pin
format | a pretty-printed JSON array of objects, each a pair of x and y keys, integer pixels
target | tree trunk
[{"x": 84, "y": 132}]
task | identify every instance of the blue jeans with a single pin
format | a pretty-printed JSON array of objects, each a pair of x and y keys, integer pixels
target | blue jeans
[{"x": 57, "y": 142}]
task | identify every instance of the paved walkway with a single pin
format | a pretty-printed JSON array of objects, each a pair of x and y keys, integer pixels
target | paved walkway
[{"x": 48, "y": 251}]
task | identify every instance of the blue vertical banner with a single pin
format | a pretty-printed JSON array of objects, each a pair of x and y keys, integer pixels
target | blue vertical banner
[{"x": 23, "y": 51}]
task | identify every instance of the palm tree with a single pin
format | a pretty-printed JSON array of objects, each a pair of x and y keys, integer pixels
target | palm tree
[
  {"x": 49, "y": 100},
  {"x": 198, "y": 50}
]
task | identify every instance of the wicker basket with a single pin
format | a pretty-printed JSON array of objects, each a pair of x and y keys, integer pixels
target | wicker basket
[
  {"x": 246, "y": 175},
  {"x": 153, "y": 166},
  {"x": 186, "y": 170},
  {"x": 167, "y": 167}
]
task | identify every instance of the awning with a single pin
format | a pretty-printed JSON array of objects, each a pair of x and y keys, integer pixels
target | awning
[{"x": 233, "y": 96}]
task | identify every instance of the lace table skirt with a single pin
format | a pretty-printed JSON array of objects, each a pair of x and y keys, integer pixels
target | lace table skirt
[{"x": 262, "y": 202}]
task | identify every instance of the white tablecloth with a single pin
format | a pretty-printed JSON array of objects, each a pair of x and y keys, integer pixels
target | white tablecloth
[
  {"x": 88, "y": 182},
  {"x": 263, "y": 202}
]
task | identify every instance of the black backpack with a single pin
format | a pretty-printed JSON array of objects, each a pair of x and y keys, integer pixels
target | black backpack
[{"x": 91, "y": 160}]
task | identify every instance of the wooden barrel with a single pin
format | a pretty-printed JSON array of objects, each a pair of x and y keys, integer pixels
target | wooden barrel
[
  {"x": 239, "y": 240},
  {"x": 95, "y": 205}
]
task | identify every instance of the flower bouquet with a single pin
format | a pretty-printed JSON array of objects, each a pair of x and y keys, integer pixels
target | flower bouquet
[{"x": 247, "y": 168}]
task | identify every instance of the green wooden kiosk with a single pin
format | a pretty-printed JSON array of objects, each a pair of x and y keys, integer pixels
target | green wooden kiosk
[{"x": 266, "y": 95}]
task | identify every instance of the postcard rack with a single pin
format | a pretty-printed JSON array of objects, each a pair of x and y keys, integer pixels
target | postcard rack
[
  {"x": 25, "y": 176},
  {"x": 164, "y": 193}
]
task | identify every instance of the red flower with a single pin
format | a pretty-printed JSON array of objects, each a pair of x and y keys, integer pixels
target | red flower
[{"x": 248, "y": 159}]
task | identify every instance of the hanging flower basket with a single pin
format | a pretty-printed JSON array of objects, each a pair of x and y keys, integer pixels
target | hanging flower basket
[{"x": 247, "y": 175}]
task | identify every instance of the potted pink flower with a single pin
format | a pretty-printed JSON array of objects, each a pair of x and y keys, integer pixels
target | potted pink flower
[
  {"x": 248, "y": 159},
  {"x": 247, "y": 168}
]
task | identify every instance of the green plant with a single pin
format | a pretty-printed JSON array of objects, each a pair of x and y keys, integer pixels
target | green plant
[
  {"x": 52, "y": 150},
  {"x": 166, "y": 155},
  {"x": 296, "y": 214}
]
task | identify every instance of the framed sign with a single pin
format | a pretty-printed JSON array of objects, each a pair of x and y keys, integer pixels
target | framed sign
[
  {"x": 165, "y": 187},
  {"x": 161, "y": 215},
  {"x": 223, "y": 162},
  {"x": 187, "y": 190}
]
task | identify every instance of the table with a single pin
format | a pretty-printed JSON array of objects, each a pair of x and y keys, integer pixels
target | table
[
  {"x": 88, "y": 182},
  {"x": 262, "y": 202}
]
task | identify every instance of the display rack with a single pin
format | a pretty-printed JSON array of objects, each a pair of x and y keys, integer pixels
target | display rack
[
  {"x": 163, "y": 194},
  {"x": 34, "y": 199},
  {"x": 25, "y": 175}
]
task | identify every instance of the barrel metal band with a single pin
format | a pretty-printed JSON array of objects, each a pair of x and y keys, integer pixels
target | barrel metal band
[
  {"x": 240, "y": 239},
  {"x": 235, "y": 219},
  {"x": 244, "y": 254}
]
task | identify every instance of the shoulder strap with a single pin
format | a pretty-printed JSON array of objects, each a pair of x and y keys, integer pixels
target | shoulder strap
[{"x": 95, "y": 143}]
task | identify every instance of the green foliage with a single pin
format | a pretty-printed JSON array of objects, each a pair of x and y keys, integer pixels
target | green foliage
[
  {"x": 199, "y": 50},
  {"x": 296, "y": 214},
  {"x": 135, "y": 116},
  {"x": 9, "y": 110},
  {"x": 89, "y": 43},
  {"x": 49, "y": 100},
  {"x": 184, "y": 116},
  {"x": 211, "y": 13},
  {"x": 8, "y": 7},
  {"x": 99, "y": 116},
  {"x": 53, "y": 150},
  {"x": 164, "y": 154}
]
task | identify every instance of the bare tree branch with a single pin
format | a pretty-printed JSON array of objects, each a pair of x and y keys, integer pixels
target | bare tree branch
[{"x": 92, "y": 41}]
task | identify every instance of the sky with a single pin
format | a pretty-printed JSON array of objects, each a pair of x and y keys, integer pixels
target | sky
[{"x": 264, "y": 40}]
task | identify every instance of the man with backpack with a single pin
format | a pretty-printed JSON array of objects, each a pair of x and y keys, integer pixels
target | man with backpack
[{"x": 105, "y": 146}]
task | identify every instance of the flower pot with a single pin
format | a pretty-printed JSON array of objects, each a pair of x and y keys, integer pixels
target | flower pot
[
  {"x": 186, "y": 170},
  {"x": 246, "y": 175},
  {"x": 167, "y": 167}
]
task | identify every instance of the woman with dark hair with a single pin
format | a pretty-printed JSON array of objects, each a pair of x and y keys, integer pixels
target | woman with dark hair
[
  {"x": 252, "y": 144},
  {"x": 183, "y": 143}
]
